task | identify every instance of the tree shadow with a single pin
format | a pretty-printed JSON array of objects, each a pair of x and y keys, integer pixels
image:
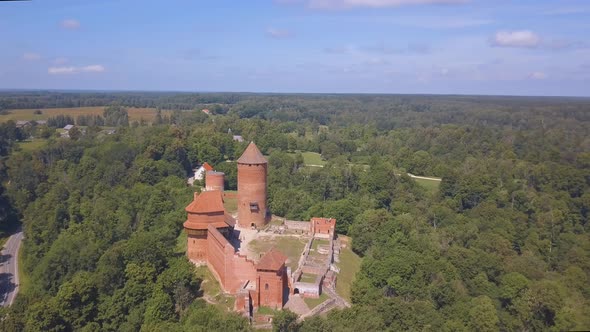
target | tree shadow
[
  {"x": 6, "y": 285},
  {"x": 4, "y": 258}
]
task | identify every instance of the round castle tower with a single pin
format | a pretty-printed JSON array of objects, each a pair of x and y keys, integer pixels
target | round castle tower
[
  {"x": 252, "y": 189},
  {"x": 214, "y": 180}
]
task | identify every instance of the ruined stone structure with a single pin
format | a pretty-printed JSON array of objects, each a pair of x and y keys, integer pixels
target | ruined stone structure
[
  {"x": 323, "y": 227},
  {"x": 252, "y": 188}
]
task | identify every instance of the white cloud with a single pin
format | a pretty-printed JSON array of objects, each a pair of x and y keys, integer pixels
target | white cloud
[
  {"x": 93, "y": 68},
  {"x": 342, "y": 4},
  {"x": 70, "y": 24},
  {"x": 60, "y": 60},
  {"x": 537, "y": 75},
  {"x": 75, "y": 70},
  {"x": 31, "y": 56},
  {"x": 438, "y": 22},
  {"x": 520, "y": 38},
  {"x": 278, "y": 33}
]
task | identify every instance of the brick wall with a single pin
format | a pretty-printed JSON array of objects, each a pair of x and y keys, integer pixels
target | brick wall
[{"x": 230, "y": 268}]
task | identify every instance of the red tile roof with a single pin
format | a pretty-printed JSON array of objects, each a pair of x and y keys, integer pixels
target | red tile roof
[
  {"x": 252, "y": 155},
  {"x": 272, "y": 260},
  {"x": 206, "y": 202},
  {"x": 207, "y": 167}
]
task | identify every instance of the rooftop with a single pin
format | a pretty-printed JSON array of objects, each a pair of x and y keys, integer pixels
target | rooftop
[
  {"x": 252, "y": 155},
  {"x": 206, "y": 202},
  {"x": 207, "y": 167},
  {"x": 272, "y": 260}
]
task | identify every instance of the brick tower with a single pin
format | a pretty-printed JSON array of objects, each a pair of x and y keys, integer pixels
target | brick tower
[
  {"x": 271, "y": 280},
  {"x": 206, "y": 209},
  {"x": 252, "y": 168}
]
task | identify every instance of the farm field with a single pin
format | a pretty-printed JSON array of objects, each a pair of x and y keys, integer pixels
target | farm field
[{"x": 135, "y": 114}]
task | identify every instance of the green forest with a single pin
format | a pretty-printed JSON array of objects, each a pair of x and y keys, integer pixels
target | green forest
[{"x": 502, "y": 244}]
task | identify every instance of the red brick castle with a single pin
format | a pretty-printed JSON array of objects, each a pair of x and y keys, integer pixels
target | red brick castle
[{"x": 210, "y": 233}]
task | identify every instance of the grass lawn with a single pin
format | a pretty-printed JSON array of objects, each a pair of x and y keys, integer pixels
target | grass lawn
[
  {"x": 306, "y": 277},
  {"x": 135, "y": 114},
  {"x": 430, "y": 185},
  {"x": 212, "y": 290},
  {"x": 33, "y": 145},
  {"x": 350, "y": 264},
  {"x": 23, "y": 278},
  {"x": 230, "y": 204},
  {"x": 313, "y": 158},
  {"x": 266, "y": 311},
  {"x": 290, "y": 246},
  {"x": 312, "y": 303},
  {"x": 319, "y": 242}
]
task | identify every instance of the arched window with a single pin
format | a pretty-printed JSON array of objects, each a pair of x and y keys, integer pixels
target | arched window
[{"x": 265, "y": 286}]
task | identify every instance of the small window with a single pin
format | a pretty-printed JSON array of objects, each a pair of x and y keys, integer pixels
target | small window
[
  {"x": 253, "y": 206},
  {"x": 265, "y": 286}
]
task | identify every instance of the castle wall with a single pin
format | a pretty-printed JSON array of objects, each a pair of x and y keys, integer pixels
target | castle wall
[
  {"x": 301, "y": 226},
  {"x": 322, "y": 227},
  {"x": 252, "y": 189},
  {"x": 196, "y": 247},
  {"x": 230, "y": 269}
]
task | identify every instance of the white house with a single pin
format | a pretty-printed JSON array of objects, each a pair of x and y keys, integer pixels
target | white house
[{"x": 200, "y": 172}]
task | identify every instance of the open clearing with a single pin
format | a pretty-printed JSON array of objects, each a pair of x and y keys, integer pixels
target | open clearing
[
  {"x": 135, "y": 114},
  {"x": 32, "y": 145},
  {"x": 212, "y": 291},
  {"x": 430, "y": 185},
  {"x": 311, "y": 158},
  {"x": 350, "y": 264}
]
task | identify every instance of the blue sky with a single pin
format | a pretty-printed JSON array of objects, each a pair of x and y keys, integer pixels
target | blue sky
[{"x": 527, "y": 47}]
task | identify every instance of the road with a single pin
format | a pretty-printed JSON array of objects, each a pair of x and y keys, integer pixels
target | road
[{"x": 9, "y": 269}]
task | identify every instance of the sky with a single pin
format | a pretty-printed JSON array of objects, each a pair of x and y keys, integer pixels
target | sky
[{"x": 491, "y": 47}]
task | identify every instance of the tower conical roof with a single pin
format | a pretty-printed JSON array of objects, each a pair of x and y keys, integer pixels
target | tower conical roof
[{"x": 252, "y": 155}]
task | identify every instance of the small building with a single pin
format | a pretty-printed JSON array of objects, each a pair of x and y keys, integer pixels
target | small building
[
  {"x": 271, "y": 280},
  {"x": 41, "y": 122},
  {"x": 206, "y": 111},
  {"x": 68, "y": 127},
  {"x": 201, "y": 170},
  {"x": 22, "y": 124},
  {"x": 238, "y": 138},
  {"x": 322, "y": 227}
]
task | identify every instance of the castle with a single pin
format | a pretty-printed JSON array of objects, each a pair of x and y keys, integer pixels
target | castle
[{"x": 210, "y": 233}]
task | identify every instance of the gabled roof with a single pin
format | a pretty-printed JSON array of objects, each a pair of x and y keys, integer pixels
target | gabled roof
[
  {"x": 207, "y": 167},
  {"x": 252, "y": 155},
  {"x": 272, "y": 260},
  {"x": 206, "y": 202}
]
